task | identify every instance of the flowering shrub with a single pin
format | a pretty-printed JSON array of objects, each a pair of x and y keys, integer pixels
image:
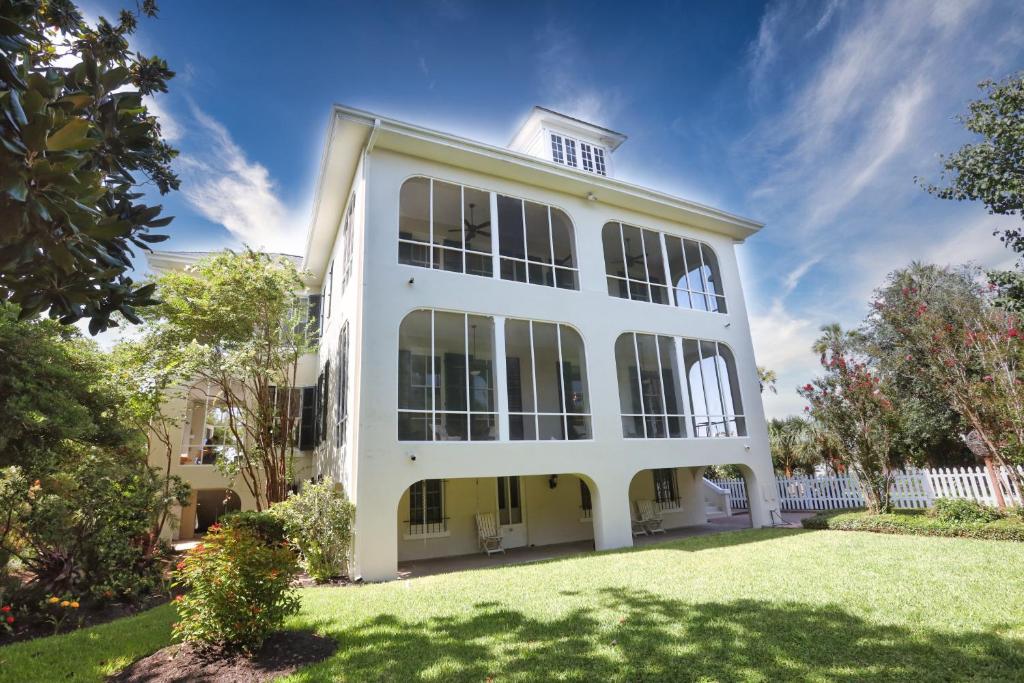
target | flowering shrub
[
  {"x": 57, "y": 609},
  {"x": 318, "y": 521},
  {"x": 238, "y": 583},
  {"x": 7, "y": 619}
]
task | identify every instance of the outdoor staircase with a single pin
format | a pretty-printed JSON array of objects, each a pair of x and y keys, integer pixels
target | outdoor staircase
[{"x": 716, "y": 500}]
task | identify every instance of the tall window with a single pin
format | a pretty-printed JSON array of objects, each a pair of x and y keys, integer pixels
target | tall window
[
  {"x": 426, "y": 507},
  {"x": 445, "y": 226},
  {"x": 207, "y": 434},
  {"x": 714, "y": 390},
  {"x": 446, "y": 385},
  {"x": 665, "y": 487},
  {"x": 322, "y": 395},
  {"x": 645, "y": 265},
  {"x": 650, "y": 379},
  {"x": 591, "y": 157},
  {"x": 546, "y": 374},
  {"x": 510, "y": 506},
  {"x": 535, "y": 244},
  {"x": 346, "y": 236},
  {"x": 328, "y": 290},
  {"x": 341, "y": 385}
]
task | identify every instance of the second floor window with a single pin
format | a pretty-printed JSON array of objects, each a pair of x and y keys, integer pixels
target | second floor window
[
  {"x": 535, "y": 244},
  {"x": 446, "y": 385},
  {"x": 645, "y": 265},
  {"x": 651, "y": 375},
  {"x": 546, "y": 381}
]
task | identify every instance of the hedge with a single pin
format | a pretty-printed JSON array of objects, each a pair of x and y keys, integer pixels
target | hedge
[{"x": 918, "y": 523}]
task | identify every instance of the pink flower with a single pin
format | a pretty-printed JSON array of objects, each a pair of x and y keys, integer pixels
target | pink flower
[
  {"x": 987, "y": 378},
  {"x": 808, "y": 387},
  {"x": 1013, "y": 333}
]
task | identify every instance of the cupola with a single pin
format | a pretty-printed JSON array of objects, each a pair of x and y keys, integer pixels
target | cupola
[{"x": 568, "y": 141}]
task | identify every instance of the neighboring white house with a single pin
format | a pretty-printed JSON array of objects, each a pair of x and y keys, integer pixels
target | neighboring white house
[{"x": 516, "y": 331}]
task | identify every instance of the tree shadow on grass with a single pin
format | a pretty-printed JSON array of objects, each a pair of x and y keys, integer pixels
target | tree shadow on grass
[{"x": 631, "y": 634}]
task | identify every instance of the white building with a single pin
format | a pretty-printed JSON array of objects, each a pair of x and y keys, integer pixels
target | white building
[{"x": 516, "y": 331}]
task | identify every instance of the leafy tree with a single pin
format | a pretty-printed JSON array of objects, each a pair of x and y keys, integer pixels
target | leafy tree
[
  {"x": 235, "y": 322},
  {"x": 950, "y": 333},
  {"x": 991, "y": 170},
  {"x": 77, "y": 146},
  {"x": 786, "y": 437},
  {"x": 852, "y": 402},
  {"x": 55, "y": 393}
]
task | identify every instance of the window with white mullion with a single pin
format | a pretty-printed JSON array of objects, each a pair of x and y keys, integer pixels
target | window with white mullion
[
  {"x": 563, "y": 396},
  {"x": 640, "y": 384},
  {"x": 431, "y": 213},
  {"x": 557, "y": 154},
  {"x": 533, "y": 369},
  {"x": 599, "y": 164},
  {"x": 587, "y": 157},
  {"x": 570, "y": 152}
]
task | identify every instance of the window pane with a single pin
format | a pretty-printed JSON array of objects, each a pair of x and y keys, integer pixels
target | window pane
[
  {"x": 477, "y": 219},
  {"x": 450, "y": 348},
  {"x": 730, "y": 381},
  {"x": 633, "y": 426},
  {"x": 550, "y": 427},
  {"x": 483, "y": 427},
  {"x": 670, "y": 375},
  {"x": 562, "y": 239},
  {"x": 628, "y": 376},
  {"x": 691, "y": 251},
  {"x": 414, "y": 427},
  {"x": 579, "y": 427},
  {"x": 448, "y": 225},
  {"x": 414, "y": 210},
  {"x": 565, "y": 278},
  {"x": 545, "y": 353},
  {"x": 633, "y": 242},
  {"x": 570, "y": 152},
  {"x": 655, "y": 262},
  {"x": 712, "y": 276},
  {"x": 518, "y": 366},
  {"x": 556, "y": 149},
  {"x": 481, "y": 363},
  {"x": 510, "y": 227},
  {"x": 695, "y": 386},
  {"x": 612, "y": 241},
  {"x": 651, "y": 380},
  {"x": 677, "y": 270},
  {"x": 538, "y": 240},
  {"x": 414, "y": 378},
  {"x": 711, "y": 368},
  {"x": 522, "y": 427},
  {"x": 574, "y": 371}
]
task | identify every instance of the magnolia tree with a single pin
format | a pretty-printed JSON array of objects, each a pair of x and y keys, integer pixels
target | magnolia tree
[
  {"x": 234, "y": 320},
  {"x": 851, "y": 402},
  {"x": 946, "y": 330}
]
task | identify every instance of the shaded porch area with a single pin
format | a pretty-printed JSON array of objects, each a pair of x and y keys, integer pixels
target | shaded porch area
[{"x": 443, "y": 565}]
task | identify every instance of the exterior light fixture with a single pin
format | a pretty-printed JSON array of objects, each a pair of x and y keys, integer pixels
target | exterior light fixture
[
  {"x": 553, "y": 481},
  {"x": 591, "y": 196}
]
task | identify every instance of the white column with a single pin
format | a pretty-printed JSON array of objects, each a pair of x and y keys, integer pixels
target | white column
[
  {"x": 611, "y": 518},
  {"x": 376, "y": 538},
  {"x": 501, "y": 377}
]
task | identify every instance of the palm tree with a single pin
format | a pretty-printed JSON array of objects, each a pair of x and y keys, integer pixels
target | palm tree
[
  {"x": 786, "y": 437},
  {"x": 836, "y": 341},
  {"x": 767, "y": 379}
]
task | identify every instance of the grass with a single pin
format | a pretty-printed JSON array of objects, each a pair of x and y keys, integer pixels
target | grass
[
  {"x": 917, "y": 522},
  {"x": 750, "y": 605}
]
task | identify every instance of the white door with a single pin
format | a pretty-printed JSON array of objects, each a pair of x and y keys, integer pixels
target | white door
[{"x": 511, "y": 516}]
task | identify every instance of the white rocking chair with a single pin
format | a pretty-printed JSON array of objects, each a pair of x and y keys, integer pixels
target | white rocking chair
[
  {"x": 487, "y": 534},
  {"x": 650, "y": 516}
]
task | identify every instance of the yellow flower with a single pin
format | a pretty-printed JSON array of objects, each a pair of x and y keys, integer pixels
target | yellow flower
[
  {"x": 53, "y": 600},
  {"x": 74, "y": 604},
  {"x": 64, "y": 603}
]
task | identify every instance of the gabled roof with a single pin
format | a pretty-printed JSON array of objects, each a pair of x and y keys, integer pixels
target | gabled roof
[
  {"x": 351, "y": 131},
  {"x": 542, "y": 116}
]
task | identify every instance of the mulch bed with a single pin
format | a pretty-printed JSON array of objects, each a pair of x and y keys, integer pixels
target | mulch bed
[
  {"x": 26, "y": 628},
  {"x": 283, "y": 653}
]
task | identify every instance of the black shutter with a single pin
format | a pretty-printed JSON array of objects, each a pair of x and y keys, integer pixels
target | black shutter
[
  {"x": 324, "y": 395},
  {"x": 307, "y": 430}
]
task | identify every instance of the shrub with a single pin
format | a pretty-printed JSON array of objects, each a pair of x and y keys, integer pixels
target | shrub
[
  {"x": 916, "y": 522},
  {"x": 961, "y": 510},
  {"x": 238, "y": 583},
  {"x": 318, "y": 521}
]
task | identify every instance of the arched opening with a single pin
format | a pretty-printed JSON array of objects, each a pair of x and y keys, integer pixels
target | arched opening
[
  {"x": 212, "y": 505},
  {"x": 444, "y": 524},
  {"x": 677, "y": 499}
]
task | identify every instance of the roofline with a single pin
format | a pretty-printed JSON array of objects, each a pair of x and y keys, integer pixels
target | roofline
[
  {"x": 585, "y": 123},
  {"x": 738, "y": 226}
]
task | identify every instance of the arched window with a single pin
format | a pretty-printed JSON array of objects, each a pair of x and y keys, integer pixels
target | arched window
[
  {"x": 546, "y": 382},
  {"x": 650, "y": 379},
  {"x": 444, "y": 226},
  {"x": 450, "y": 227},
  {"x": 446, "y": 386},
  {"x": 645, "y": 265}
]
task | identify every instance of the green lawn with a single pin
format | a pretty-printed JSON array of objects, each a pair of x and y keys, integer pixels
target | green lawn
[{"x": 751, "y": 605}]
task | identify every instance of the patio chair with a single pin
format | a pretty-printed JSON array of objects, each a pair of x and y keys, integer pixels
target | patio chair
[
  {"x": 650, "y": 516},
  {"x": 487, "y": 534},
  {"x": 638, "y": 528}
]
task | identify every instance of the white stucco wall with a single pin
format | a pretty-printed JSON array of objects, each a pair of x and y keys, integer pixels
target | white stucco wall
[{"x": 381, "y": 295}]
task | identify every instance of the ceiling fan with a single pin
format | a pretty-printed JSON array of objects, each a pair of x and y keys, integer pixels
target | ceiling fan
[{"x": 472, "y": 229}]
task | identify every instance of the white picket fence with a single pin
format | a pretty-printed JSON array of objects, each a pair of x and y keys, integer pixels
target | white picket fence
[{"x": 911, "y": 489}]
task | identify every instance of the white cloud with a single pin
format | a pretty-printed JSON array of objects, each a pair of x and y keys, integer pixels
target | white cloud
[
  {"x": 226, "y": 187},
  {"x": 782, "y": 342},
  {"x": 169, "y": 125},
  {"x": 564, "y": 77}
]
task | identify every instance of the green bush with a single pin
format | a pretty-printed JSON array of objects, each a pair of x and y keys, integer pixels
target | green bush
[
  {"x": 264, "y": 525},
  {"x": 916, "y": 522},
  {"x": 238, "y": 585},
  {"x": 961, "y": 510},
  {"x": 318, "y": 521}
]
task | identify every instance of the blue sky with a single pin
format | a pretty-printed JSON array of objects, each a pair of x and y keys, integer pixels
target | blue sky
[{"x": 812, "y": 116}]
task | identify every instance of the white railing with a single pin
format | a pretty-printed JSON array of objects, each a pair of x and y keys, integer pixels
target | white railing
[{"x": 910, "y": 489}]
